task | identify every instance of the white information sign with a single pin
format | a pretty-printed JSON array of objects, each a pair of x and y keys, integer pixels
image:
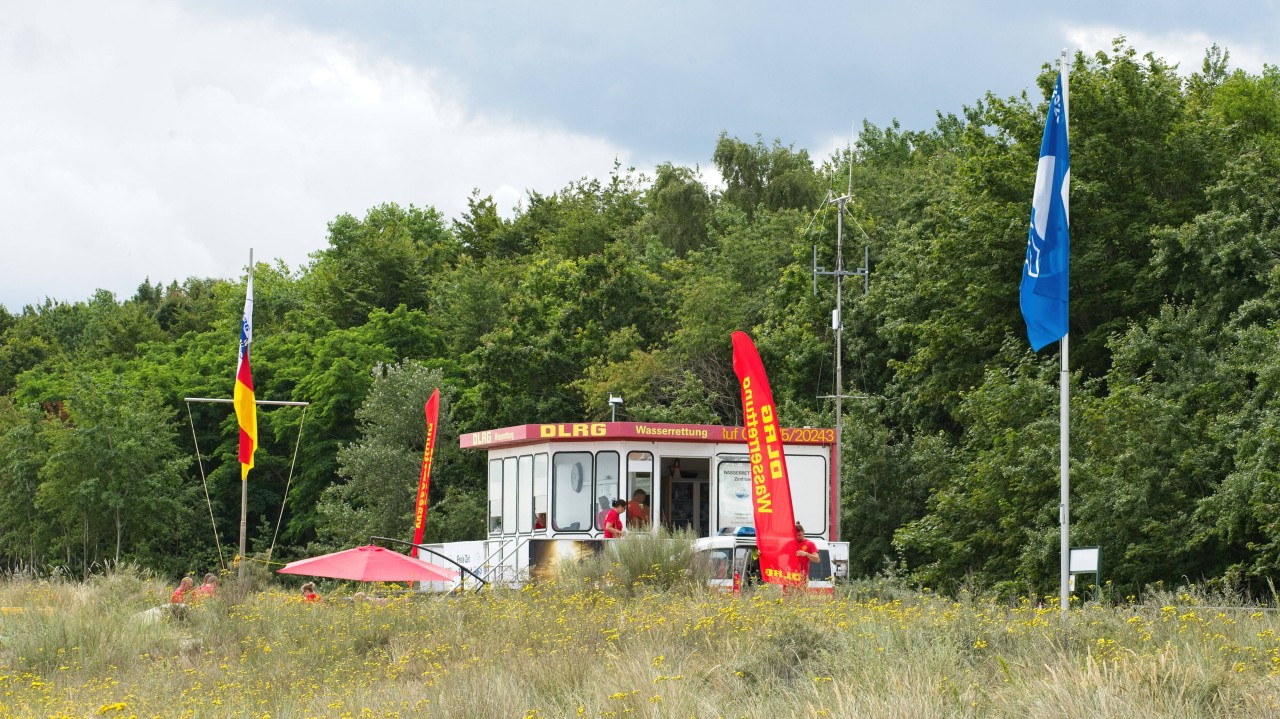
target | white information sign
[{"x": 1084, "y": 560}]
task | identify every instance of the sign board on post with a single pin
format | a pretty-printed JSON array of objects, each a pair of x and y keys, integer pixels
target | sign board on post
[{"x": 1085, "y": 560}]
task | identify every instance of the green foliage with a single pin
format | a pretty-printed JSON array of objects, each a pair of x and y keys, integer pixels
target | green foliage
[
  {"x": 381, "y": 262},
  {"x": 773, "y": 177},
  {"x": 382, "y": 467},
  {"x": 679, "y": 209},
  {"x": 113, "y": 472}
]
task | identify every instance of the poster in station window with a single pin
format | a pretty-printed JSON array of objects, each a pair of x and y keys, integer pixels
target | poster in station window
[{"x": 735, "y": 495}]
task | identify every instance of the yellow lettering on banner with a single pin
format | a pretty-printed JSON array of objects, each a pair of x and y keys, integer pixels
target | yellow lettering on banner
[
  {"x": 547, "y": 430},
  {"x": 766, "y": 414},
  {"x": 775, "y": 468},
  {"x": 598, "y": 429}
]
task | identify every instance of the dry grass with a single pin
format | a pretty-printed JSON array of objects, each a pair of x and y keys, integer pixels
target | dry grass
[{"x": 550, "y": 651}]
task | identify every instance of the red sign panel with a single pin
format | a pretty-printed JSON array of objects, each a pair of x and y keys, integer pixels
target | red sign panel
[{"x": 596, "y": 431}]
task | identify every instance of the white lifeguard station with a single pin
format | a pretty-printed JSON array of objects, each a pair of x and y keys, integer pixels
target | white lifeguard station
[{"x": 557, "y": 482}]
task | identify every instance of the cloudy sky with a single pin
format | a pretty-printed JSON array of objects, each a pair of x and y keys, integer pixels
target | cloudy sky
[{"x": 163, "y": 138}]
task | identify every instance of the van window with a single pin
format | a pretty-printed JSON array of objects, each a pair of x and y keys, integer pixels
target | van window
[
  {"x": 820, "y": 571},
  {"x": 716, "y": 563}
]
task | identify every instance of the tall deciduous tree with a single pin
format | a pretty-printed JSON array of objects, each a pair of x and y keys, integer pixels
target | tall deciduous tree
[
  {"x": 381, "y": 469},
  {"x": 114, "y": 473}
]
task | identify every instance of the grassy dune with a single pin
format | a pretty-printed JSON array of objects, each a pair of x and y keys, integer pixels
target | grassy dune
[{"x": 876, "y": 650}]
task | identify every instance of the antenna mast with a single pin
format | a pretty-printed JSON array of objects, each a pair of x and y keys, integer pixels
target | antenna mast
[{"x": 837, "y": 324}]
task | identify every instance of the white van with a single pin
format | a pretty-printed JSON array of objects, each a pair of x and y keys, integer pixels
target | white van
[{"x": 732, "y": 563}]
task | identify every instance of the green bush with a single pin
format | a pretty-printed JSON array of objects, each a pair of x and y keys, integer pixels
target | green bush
[{"x": 662, "y": 561}]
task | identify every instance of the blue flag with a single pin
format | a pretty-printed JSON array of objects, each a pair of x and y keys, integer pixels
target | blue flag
[{"x": 1045, "y": 271}]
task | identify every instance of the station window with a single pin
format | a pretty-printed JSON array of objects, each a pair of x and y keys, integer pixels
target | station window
[
  {"x": 807, "y": 475},
  {"x": 733, "y": 501},
  {"x": 509, "y": 496},
  {"x": 571, "y": 492},
  {"x": 606, "y": 484},
  {"x": 639, "y": 478},
  {"x": 540, "y": 492},
  {"x": 810, "y": 493},
  {"x": 525, "y": 495},
  {"x": 495, "y": 496}
]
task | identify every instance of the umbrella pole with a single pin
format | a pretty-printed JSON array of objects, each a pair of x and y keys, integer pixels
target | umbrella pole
[{"x": 450, "y": 560}]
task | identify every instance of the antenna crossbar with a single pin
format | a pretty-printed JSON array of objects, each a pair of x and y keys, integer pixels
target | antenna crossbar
[{"x": 271, "y": 402}]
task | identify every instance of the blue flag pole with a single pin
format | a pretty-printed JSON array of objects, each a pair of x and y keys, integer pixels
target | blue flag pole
[
  {"x": 1064, "y": 380},
  {"x": 1045, "y": 290}
]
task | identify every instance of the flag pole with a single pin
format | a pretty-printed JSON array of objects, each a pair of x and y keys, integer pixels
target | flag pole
[
  {"x": 1064, "y": 400},
  {"x": 244, "y": 486}
]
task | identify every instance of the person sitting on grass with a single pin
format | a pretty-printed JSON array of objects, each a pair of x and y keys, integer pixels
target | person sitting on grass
[
  {"x": 309, "y": 593},
  {"x": 179, "y": 595},
  {"x": 205, "y": 590}
]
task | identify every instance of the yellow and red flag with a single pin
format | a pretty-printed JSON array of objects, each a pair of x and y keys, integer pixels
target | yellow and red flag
[
  {"x": 242, "y": 396},
  {"x": 770, "y": 484},
  {"x": 424, "y": 477}
]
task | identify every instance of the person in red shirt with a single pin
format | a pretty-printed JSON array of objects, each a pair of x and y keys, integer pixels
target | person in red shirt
[
  {"x": 638, "y": 510},
  {"x": 613, "y": 519},
  {"x": 204, "y": 591},
  {"x": 807, "y": 552},
  {"x": 309, "y": 592},
  {"x": 179, "y": 594}
]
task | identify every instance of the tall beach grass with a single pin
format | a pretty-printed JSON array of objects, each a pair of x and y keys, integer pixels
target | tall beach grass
[{"x": 597, "y": 649}]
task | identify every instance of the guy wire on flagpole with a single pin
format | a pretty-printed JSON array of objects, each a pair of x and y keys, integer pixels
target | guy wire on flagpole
[
  {"x": 1064, "y": 420},
  {"x": 288, "y": 480},
  {"x": 204, "y": 482}
]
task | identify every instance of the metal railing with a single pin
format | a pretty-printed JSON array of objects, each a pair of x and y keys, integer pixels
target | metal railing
[{"x": 449, "y": 559}]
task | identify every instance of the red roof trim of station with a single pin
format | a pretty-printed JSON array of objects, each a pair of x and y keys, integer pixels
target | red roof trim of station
[{"x": 597, "y": 431}]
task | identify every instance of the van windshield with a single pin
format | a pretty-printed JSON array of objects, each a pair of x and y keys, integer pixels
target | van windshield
[{"x": 820, "y": 570}]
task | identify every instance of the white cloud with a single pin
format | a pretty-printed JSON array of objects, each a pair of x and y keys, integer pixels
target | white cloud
[
  {"x": 1184, "y": 48},
  {"x": 147, "y": 139}
]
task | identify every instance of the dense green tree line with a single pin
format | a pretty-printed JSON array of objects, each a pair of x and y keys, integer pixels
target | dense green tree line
[{"x": 632, "y": 284}]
